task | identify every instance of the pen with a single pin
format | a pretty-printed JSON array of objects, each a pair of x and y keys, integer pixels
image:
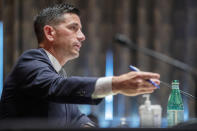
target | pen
[{"x": 133, "y": 68}]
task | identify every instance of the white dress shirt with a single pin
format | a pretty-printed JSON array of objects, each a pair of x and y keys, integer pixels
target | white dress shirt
[{"x": 103, "y": 86}]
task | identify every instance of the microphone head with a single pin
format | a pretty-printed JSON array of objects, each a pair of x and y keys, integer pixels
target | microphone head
[{"x": 122, "y": 39}]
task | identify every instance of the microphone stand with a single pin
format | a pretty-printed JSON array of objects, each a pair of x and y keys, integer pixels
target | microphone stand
[{"x": 122, "y": 39}]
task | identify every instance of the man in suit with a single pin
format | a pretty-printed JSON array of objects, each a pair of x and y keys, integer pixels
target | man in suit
[{"x": 37, "y": 86}]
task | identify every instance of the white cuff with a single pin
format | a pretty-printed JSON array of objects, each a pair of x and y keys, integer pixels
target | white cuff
[{"x": 103, "y": 87}]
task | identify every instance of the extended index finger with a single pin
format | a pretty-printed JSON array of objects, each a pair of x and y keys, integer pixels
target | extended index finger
[{"x": 148, "y": 75}]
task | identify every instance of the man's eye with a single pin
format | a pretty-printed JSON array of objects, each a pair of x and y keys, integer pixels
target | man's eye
[{"x": 73, "y": 28}]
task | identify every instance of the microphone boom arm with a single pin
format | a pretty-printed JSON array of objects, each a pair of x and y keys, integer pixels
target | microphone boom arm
[{"x": 125, "y": 41}]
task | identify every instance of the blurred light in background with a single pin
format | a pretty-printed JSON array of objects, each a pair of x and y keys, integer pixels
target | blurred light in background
[
  {"x": 1, "y": 57},
  {"x": 185, "y": 101},
  {"x": 134, "y": 119},
  {"x": 109, "y": 99},
  {"x": 186, "y": 112},
  {"x": 86, "y": 109}
]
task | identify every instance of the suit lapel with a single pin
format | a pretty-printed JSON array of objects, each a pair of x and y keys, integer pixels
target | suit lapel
[{"x": 47, "y": 58}]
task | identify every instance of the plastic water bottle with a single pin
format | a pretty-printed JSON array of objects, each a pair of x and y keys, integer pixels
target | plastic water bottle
[{"x": 175, "y": 109}]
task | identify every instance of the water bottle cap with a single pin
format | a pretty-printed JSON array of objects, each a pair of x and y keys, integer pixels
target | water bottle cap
[{"x": 175, "y": 81}]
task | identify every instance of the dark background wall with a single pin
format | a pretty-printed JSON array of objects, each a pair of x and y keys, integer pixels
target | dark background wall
[{"x": 166, "y": 26}]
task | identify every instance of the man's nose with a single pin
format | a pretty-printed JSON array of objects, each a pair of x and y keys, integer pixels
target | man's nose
[{"x": 81, "y": 37}]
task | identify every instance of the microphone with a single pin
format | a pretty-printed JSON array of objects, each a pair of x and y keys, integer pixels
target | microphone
[{"x": 125, "y": 41}]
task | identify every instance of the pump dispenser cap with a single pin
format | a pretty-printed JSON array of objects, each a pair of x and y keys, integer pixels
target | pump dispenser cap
[{"x": 147, "y": 101}]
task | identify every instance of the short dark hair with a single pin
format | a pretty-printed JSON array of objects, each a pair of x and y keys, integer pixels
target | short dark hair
[{"x": 51, "y": 16}]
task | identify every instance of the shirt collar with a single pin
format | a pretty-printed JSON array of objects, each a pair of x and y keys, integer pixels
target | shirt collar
[{"x": 56, "y": 65}]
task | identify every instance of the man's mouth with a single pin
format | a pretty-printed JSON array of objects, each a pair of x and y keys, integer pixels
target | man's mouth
[{"x": 78, "y": 46}]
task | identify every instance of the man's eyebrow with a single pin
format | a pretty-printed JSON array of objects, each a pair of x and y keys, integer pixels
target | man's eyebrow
[{"x": 75, "y": 24}]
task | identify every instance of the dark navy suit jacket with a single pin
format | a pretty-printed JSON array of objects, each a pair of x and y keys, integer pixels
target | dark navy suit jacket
[{"x": 34, "y": 89}]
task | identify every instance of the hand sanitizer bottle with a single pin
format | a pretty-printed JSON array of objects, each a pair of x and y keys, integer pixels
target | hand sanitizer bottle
[{"x": 150, "y": 115}]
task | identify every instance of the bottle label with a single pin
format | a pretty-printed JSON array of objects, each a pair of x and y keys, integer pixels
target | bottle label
[
  {"x": 175, "y": 86},
  {"x": 174, "y": 117}
]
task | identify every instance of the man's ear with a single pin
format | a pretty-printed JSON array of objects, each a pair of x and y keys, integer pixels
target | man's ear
[{"x": 49, "y": 33}]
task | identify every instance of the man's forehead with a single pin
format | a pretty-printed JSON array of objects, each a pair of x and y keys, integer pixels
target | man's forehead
[{"x": 71, "y": 18}]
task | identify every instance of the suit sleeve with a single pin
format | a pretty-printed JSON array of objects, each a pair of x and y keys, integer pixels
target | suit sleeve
[
  {"x": 79, "y": 119},
  {"x": 36, "y": 78}
]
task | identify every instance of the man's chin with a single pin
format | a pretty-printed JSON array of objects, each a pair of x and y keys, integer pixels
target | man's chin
[
  {"x": 77, "y": 54},
  {"x": 74, "y": 56}
]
